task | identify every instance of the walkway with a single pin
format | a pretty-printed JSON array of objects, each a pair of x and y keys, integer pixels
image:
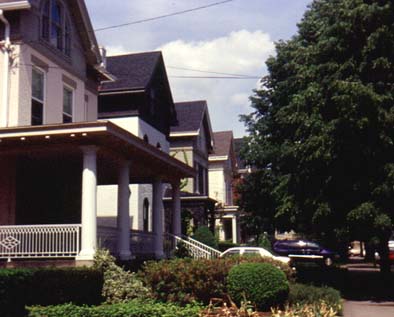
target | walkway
[{"x": 368, "y": 309}]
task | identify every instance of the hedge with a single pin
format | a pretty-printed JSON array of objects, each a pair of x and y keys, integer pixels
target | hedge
[
  {"x": 187, "y": 280},
  {"x": 134, "y": 308},
  {"x": 48, "y": 286}
]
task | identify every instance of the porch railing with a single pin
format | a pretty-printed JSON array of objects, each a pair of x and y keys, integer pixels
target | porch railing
[
  {"x": 142, "y": 242},
  {"x": 34, "y": 241}
]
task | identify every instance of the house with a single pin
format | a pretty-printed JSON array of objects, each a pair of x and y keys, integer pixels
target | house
[
  {"x": 54, "y": 152},
  {"x": 222, "y": 171},
  {"x": 140, "y": 101},
  {"x": 191, "y": 142}
]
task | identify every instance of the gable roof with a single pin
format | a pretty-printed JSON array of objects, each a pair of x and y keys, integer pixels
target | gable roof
[
  {"x": 132, "y": 71},
  {"x": 80, "y": 13},
  {"x": 190, "y": 116},
  {"x": 223, "y": 142}
]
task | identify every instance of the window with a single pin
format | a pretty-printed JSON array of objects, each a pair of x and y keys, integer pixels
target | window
[
  {"x": 146, "y": 139},
  {"x": 145, "y": 215},
  {"x": 55, "y": 27},
  {"x": 37, "y": 97},
  {"x": 67, "y": 105}
]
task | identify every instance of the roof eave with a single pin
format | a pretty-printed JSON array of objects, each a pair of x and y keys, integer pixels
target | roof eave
[{"x": 15, "y": 5}]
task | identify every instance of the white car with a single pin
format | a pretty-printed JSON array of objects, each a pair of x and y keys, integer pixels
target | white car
[{"x": 254, "y": 251}]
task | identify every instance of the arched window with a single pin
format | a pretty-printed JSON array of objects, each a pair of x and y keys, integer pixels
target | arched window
[
  {"x": 55, "y": 26},
  {"x": 145, "y": 215},
  {"x": 146, "y": 139}
]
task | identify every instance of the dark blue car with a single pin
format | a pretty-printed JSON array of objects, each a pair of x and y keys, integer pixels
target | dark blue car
[{"x": 304, "y": 251}]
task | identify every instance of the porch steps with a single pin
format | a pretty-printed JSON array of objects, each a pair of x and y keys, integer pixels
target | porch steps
[{"x": 197, "y": 249}]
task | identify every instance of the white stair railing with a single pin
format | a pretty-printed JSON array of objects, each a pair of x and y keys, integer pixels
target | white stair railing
[
  {"x": 196, "y": 249},
  {"x": 46, "y": 241},
  {"x": 212, "y": 251}
]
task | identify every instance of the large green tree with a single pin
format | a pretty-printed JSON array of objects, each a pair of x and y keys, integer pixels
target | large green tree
[{"x": 323, "y": 125}]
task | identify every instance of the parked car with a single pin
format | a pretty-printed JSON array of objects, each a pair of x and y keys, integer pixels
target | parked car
[
  {"x": 304, "y": 251},
  {"x": 254, "y": 251}
]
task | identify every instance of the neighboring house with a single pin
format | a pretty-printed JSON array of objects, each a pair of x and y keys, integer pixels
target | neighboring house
[
  {"x": 54, "y": 152},
  {"x": 191, "y": 142},
  {"x": 140, "y": 101},
  {"x": 222, "y": 171}
]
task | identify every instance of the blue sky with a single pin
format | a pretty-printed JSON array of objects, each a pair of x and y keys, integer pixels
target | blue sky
[{"x": 236, "y": 37}]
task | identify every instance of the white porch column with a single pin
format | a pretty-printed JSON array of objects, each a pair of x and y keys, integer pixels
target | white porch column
[
  {"x": 158, "y": 217},
  {"x": 176, "y": 209},
  {"x": 89, "y": 204},
  {"x": 123, "y": 219},
  {"x": 234, "y": 228}
]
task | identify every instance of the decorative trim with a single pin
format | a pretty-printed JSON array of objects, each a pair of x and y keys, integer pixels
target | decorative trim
[
  {"x": 16, "y": 5},
  {"x": 68, "y": 81},
  {"x": 39, "y": 63}
]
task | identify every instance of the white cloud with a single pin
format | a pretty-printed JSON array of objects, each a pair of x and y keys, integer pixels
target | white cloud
[{"x": 241, "y": 52}]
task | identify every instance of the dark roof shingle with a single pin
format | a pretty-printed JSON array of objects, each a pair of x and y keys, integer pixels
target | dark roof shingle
[
  {"x": 133, "y": 71},
  {"x": 190, "y": 115},
  {"x": 222, "y": 143}
]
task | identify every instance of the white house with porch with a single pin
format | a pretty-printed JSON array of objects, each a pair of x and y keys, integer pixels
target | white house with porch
[{"x": 54, "y": 153}]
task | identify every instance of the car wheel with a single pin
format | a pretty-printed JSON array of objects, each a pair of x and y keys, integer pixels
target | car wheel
[{"x": 328, "y": 261}]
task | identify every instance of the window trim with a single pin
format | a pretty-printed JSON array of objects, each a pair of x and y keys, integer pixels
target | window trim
[
  {"x": 44, "y": 94},
  {"x": 72, "y": 90}
]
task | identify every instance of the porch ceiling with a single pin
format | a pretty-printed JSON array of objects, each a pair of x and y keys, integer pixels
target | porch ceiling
[{"x": 114, "y": 144}]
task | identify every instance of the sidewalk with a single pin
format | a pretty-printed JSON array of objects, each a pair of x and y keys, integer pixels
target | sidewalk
[{"x": 368, "y": 309}]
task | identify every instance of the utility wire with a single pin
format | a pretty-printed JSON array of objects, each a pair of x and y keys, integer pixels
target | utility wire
[
  {"x": 213, "y": 77},
  {"x": 244, "y": 77},
  {"x": 208, "y": 72},
  {"x": 163, "y": 16}
]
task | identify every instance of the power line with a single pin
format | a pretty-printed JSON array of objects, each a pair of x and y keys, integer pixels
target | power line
[
  {"x": 162, "y": 16},
  {"x": 208, "y": 72},
  {"x": 242, "y": 77},
  {"x": 214, "y": 77}
]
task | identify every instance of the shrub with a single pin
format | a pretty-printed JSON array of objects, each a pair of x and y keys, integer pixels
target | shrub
[
  {"x": 119, "y": 285},
  {"x": 261, "y": 283},
  {"x": 307, "y": 294},
  {"x": 186, "y": 280},
  {"x": 224, "y": 245},
  {"x": 47, "y": 286},
  {"x": 134, "y": 308},
  {"x": 181, "y": 250},
  {"x": 264, "y": 242},
  {"x": 204, "y": 235}
]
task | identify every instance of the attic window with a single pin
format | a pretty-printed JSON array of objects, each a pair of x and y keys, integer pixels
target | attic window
[{"x": 55, "y": 26}]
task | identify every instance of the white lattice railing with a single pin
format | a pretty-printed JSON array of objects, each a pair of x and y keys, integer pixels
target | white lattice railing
[
  {"x": 47, "y": 241},
  {"x": 196, "y": 249}
]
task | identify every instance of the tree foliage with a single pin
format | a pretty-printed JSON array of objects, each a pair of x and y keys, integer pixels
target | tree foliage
[{"x": 322, "y": 130}]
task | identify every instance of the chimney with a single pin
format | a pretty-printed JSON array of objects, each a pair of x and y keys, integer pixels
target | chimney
[{"x": 103, "y": 53}]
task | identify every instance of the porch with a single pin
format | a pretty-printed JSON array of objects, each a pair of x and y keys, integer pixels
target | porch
[{"x": 48, "y": 190}]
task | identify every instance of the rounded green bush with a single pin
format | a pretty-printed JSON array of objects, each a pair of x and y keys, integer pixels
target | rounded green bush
[
  {"x": 204, "y": 235},
  {"x": 261, "y": 283}
]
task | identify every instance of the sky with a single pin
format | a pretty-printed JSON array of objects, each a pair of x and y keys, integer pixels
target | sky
[{"x": 235, "y": 37}]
